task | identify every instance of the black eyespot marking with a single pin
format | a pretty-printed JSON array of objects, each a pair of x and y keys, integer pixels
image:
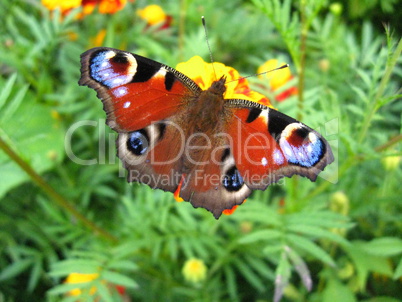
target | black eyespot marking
[
  {"x": 254, "y": 113},
  {"x": 301, "y": 132},
  {"x": 225, "y": 154},
  {"x": 162, "y": 130},
  {"x": 120, "y": 58},
  {"x": 277, "y": 122},
  {"x": 233, "y": 180},
  {"x": 138, "y": 142},
  {"x": 169, "y": 80}
]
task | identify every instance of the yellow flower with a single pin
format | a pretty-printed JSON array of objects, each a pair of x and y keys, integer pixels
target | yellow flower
[
  {"x": 194, "y": 270},
  {"x": 81, "y": 278},
  {"x": 84, "y": 278},
  {"x": 105, "y": 6},
  {"x": 64, "y": 6},
  {"x": 152, "y": 14},
  {"x": 204, "y": 75},
  {"x": 278, "y": 78}
]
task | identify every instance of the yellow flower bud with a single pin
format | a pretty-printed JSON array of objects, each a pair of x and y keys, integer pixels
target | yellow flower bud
[
  {"x": 339, "y": 203},
  {"x": 194, "y": 270},
  {"x": 324, "y": 65},
  {"x": 336, "y": 8},
  {"x": 391, "y": 163}
]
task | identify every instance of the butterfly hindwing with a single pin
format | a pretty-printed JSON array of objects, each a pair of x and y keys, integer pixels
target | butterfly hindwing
[
  {"x": 152, "y": 155},
  {"x": 215, "y": 185},
  {"x": 269, "y": 145}
]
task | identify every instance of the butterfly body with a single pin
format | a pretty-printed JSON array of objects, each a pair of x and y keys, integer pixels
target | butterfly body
[{"x": 175, "y": 136}]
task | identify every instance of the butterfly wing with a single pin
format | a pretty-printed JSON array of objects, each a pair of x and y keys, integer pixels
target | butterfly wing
[
  {"x": 214, "y": 183},
  {"x": 135, "y": 91},
  {"x": 268, "y": 145},
  {"x": 143, "y": 100},
  {"x": 147, "y": 104}
]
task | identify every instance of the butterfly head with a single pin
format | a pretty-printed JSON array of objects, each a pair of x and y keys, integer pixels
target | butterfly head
[{"x": 218, "y": 87}]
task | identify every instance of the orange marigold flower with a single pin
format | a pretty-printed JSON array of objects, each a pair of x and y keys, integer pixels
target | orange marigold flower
[
  {"x": 104, "y": 6},
  {"x": 111, "y": 6},
  {"x": 154, "y": 14},
  {"x": 204, "y": 75},
  {"x": 277, "y": 79},
  {"x": 194, "y": 270}
]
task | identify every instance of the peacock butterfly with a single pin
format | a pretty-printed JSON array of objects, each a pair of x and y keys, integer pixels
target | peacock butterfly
[{"x": 174, "y": 136}]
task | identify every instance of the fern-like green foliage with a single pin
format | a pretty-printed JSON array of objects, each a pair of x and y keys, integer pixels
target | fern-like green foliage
[{"x": 65, "y": 206}]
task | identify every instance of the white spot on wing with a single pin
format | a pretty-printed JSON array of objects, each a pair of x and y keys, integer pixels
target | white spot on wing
[
  {"x": 120, "y": 91},
  {"x": 287, "y": 132},
  {"x": 264, "y": 161},
  {"x": 312, "y": 137},
  {"x": 278, "y": 157},
  {"x": 264, "y": 116},
  {"x": 117, "y": 81},
  {"x": 126, "y": 104},
  {"x": 161, "y": 72},
  {"x": 109, "y": 54}
]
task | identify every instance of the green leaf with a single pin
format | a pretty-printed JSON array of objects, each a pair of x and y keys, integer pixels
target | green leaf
[
  {"x": 66, "y": 287},
  {"x": 230, "y": 278},
  {"x": 385, "y": 246},
  {"x": 398, "y": 270},
  {"x": 6, "y": 89},
  {"x": 34, "y": 134},
  {"x": 82, "y": 266},
  {"x": 336, "y": 291},
  {"x": 366, "y": 263},
  {"x": 282, "y": 276},
  {"x": 35, "y": 275},
  {"x": 103, "y": 292},
  {"x": 126, "y": 265},
  {"x": 381, "y": 299},
  {"x": 249, "y": 274},
  {"x": 317, "y": 232},
  {"x": 309, "y": 247},
  {"x": 263, "y": 235},
  {"x": 15, "y": 269},
  {"x": 119, "y": 279}
]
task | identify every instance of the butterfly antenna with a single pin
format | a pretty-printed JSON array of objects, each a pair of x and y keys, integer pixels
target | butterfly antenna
[
  {"x": 209, "y": 46},
  {"x": 261, "y": 73}
]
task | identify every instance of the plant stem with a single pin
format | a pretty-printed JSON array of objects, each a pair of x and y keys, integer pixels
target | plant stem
[
  {"x": 390, "y": 143},
  {"x": 302, "y": 65},
  {"x": 182, "y": 19},
  {"x": 60, "y": 200},
  {"x": 392, "y": 60}
]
